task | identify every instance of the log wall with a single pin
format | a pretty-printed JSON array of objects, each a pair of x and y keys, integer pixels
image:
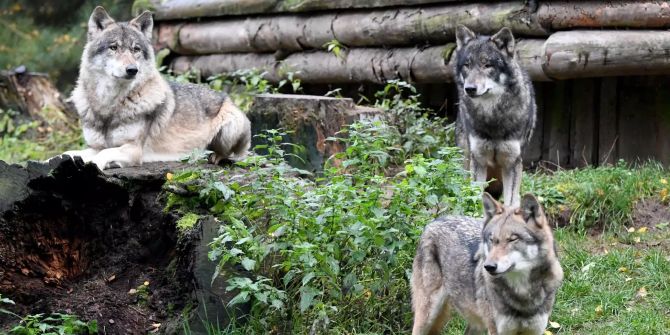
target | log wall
[{"x": 599, "y": 66}]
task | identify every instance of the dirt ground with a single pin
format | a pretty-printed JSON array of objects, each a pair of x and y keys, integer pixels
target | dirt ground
[{"x": 84, "y": 252}]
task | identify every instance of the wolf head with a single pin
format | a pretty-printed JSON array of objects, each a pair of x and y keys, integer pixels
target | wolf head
[
  {"x": 515, "y": 240},
  {"x": 483, "y": 64},
  {"x": 119, "y": 49}
]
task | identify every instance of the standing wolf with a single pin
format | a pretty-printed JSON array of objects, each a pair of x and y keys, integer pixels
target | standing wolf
[
  {"x": 501, "y": 274},
  {"x": 496, "y": 113},
  {"x": 130, "y": 114}
]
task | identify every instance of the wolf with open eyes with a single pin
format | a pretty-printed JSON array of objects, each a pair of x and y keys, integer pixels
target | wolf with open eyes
[
  {"x": 497, "y": 111},
  {"x": 130, "y": 114}
]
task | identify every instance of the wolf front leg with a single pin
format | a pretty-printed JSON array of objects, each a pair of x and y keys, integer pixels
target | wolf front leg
[
  {"x": 478, "y": 170},
  {"x": 512, "y": 183},
  {"x": 129, "y": 154}
]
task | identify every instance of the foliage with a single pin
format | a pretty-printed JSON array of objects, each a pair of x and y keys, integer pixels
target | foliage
[
  {"x": 22, "y": 140},
  {"x": 336, "y": 48},
  {"x": 602, "y": 196},
  {"x": 321, "y": 251},
  {"x": 32, "y": 30},
  {"x": 54, "y": 324}
]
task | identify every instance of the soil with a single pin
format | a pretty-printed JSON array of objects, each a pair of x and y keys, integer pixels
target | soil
[
  {"x": 77, "y": 241},
  {"x": 650, "y": 212}
]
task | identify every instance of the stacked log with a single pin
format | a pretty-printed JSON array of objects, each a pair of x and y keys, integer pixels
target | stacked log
[{"x": 390, "y": 41}]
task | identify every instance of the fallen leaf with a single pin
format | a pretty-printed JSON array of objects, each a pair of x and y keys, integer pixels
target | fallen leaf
[
  {"x": 641, "y": 293},
  {"x": 599, "y": 310},
  {"x": 146, "y": 283},
  {"x": 132, "y": 291},
  {"x": 548, "y": 332},
  {"x": 111, "y": 278},
  {"x": 554, "y": 325},
  {"x": 623, "y": 269},
  {"x": 642, "y": 230},
  {"x": 637, "y": 239},
  {"x": 169, "y": 176},
  {"x": 631, "y": 229},
  {"x": 111, "y": 321}
]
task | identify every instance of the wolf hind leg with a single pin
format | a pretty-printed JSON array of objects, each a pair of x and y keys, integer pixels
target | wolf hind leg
[
  {"x": 512, "y": 183},
  {"x": 429, "y": 295}
]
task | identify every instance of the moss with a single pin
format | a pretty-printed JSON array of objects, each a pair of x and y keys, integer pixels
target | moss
[
  {"x": 140, "y": 6},
  {"x": 187, "y": 221}
]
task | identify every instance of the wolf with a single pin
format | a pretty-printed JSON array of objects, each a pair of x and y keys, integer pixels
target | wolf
[
  {"x": 501, "y": 273},
  {"x": 130, "y": 114},
  {"x": 497, "y": 111}
]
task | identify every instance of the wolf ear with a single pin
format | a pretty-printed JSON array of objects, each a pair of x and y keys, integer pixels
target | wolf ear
[
  {"x": 491, "y": 206},
  {"x": 531, "y": 209},
  {"x": 504, "y": 40},
  {"x": 98, "y": 21},
  {"x": 463, "y": 36},
  {"x": 144, "y": 23}
]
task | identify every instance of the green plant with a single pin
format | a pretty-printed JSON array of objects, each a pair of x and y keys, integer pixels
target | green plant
[
  {"x": 319, "y": 251},
  {"x": 335, "y": 47},
  {"x": 54, "y": 324}
]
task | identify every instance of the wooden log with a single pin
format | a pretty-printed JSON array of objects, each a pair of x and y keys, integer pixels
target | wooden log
[
  {"x": 564, "y": 55},
  {"x": 428, "y": 65},
  {"x": 575, "y": 54},
  {"x": 390, "y": 27},
  {"x": 561, "y": 15},
  {"x": 311, "y": 120},
  {"x": 33, "y": 95},
  {"x": 181, "y": 9}
]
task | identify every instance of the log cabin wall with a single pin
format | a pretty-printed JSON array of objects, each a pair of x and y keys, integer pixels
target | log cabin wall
[{"x": 600, "y": 68}]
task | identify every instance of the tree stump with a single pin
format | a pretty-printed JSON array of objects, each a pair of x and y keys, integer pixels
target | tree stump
[
  {"x": 311, "y": 121},
  {"x": 99, "y": 245},
  {"x": 33, "y": 95}
]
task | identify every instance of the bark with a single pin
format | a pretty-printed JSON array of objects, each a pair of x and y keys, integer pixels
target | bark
[
  {"x": 575, "y": 54},
  {"x": 371, "y": 65},
  {"x": 564, "y": 55},
  {"x": 403, "y": 26},
  {"x": 181, "y": 9},
  {"x": 33, "y": 95},
  {"x": 311, "y": 120},
  {"x": 385, "y": 27}
]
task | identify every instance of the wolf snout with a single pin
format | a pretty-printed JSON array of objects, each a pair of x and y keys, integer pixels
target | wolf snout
[
  {"x": 490, "y": 267},
  {"x": 471, "y": 91},
  {"x": 131, "y": 70}
]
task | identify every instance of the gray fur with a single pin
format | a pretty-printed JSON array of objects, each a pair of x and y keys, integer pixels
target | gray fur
[
  {"x": 496, "y": 120},
  {"x": 449, "y": 271},
  {"x": 130, "y": 114}
]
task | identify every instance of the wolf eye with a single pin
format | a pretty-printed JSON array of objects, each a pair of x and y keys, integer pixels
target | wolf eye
[
  {"x": 136, "y": 49},
  {"x": 488, "y": 65},
  {"x": 113, "y": 47},
  {"x": 513, "y": 238}
]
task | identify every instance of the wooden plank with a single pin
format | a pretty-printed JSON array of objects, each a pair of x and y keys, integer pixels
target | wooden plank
[
  {"x": 608, "y": 128},
  {"x": 561, "y": 15},
  {"x": 532, "y": 154},
  {"x": 583, "y": 127},
  {"x": 556, "y": 142},
  {"x": 637, "y": 129}
]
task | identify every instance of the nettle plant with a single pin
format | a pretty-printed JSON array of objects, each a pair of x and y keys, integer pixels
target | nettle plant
[{"x": 331, "y": 251}]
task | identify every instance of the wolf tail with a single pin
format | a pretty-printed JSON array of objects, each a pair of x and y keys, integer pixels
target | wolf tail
[{"x": 233, "y": 140}]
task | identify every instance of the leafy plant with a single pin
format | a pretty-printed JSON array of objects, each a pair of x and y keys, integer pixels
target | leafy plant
[{"x": 335, "y": 47}]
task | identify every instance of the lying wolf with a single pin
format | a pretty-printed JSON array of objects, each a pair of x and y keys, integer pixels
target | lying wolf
[
  {"x": 497, "y": 109},
  {"x": 500, "y": 273},
  {"x": 130, "y": 114}
]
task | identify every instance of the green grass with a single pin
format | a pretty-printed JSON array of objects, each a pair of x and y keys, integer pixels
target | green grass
[{"x": 603, "y": 196}]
